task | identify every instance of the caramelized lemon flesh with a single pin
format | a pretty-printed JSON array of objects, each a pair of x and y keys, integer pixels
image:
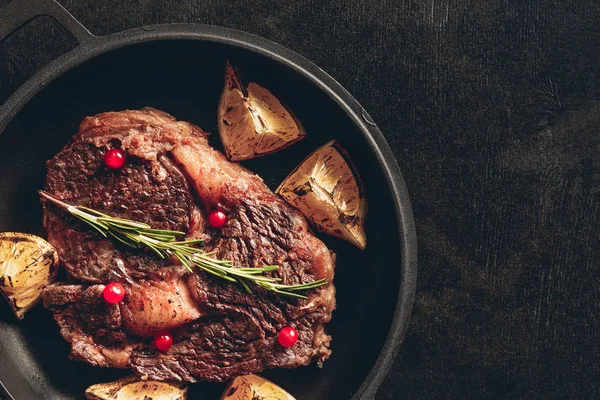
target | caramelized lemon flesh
[
  {"x": 254, "y": 387},
  {"x": 326, "y": 189},
  {"x": 252, "y": 121},
  {"x": 132, "y": 388},
  {"x": 27, "y": 265}
]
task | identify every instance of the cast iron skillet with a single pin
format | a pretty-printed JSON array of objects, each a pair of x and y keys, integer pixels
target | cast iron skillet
[{"x": 179, "y": 68}]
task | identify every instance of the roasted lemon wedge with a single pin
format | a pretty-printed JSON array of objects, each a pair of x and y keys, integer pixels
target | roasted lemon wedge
[
  {"x": 253, "y": 122},
  {"x": 327, "y": 190},
  {"x": 254, "y": 387},
  {"x": 27, "y": 264},
  {"x": 132, "y": 388}
]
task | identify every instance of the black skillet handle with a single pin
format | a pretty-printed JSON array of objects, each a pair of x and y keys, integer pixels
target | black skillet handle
[{"x": 19, "y": 12}]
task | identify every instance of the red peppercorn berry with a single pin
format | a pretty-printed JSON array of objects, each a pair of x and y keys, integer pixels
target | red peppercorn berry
[
  {"x": 163, "y": 341},
  {"x": 217, "y": 218},
  {"x": 288, "y": 336},
  {"x": 114, "y": 158},
  {"x": 114, "y": 293}
]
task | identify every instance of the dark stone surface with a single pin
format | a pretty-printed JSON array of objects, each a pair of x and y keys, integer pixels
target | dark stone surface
[{"x": 493, "y": 111}]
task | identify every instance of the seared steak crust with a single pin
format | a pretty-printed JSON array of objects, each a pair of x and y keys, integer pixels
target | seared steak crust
[
  {"x": 91, "y": 325},
  {"x": 144, "y": 191},
  {"x": 173, "y": 177}
]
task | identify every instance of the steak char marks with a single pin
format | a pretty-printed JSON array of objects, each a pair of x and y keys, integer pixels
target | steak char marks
[{"x": 171, "y": 180}]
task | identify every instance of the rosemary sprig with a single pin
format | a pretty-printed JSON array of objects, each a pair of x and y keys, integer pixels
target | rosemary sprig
[{"x": 164, "y": 244}]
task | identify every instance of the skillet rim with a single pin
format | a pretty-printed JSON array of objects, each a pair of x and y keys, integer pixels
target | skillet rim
[{"x": 93, "y": 46}]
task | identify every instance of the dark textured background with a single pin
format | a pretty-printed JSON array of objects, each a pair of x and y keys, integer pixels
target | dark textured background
[{"x": 493, "y": 112}]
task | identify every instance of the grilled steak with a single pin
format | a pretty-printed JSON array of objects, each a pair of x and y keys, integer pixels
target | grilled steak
[{"x": 172, "y": 178}]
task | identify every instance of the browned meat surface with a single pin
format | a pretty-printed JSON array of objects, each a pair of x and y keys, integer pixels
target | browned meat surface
[
  {"x": 92, "y": 326},
  {"x": 154, "y": 192},
  {"x": 171, "y": 180}
]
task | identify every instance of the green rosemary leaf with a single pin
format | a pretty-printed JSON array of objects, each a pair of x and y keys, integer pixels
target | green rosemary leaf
[
  {"x": 188, "y": 242},
  {"x": 303, "y": 286},
  {"x": 165, "y": 232},
  {"x": 155, "y": 250},
  {"x": 120, "y": 224},
  {"x": 159, "y": 237},
  {"x": 217, "y": 273},
  {"x": 96, "y": 227},
  {"x": 122, "y": 239},
  {"x": 283, "y": 292},
  {"x": 183, "y": 260},
  {"x": 245, "y": 285},
  {"x": 95, "y": 213}
]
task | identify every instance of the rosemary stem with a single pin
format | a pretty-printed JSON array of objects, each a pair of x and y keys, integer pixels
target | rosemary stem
[{"x": 164, "y": 244}]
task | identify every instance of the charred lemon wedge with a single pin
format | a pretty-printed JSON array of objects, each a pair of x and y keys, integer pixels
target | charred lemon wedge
[
  {"x": 253, "y": 122},
  {"x": 327, "y": 190},
  {"x": 254, "y": 387},
  {"x": 27, "y": 265},
  {"x": 132, "y": 388}
]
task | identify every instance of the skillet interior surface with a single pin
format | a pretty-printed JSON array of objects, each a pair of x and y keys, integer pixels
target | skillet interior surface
[{"x": 185, "y": 78}]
